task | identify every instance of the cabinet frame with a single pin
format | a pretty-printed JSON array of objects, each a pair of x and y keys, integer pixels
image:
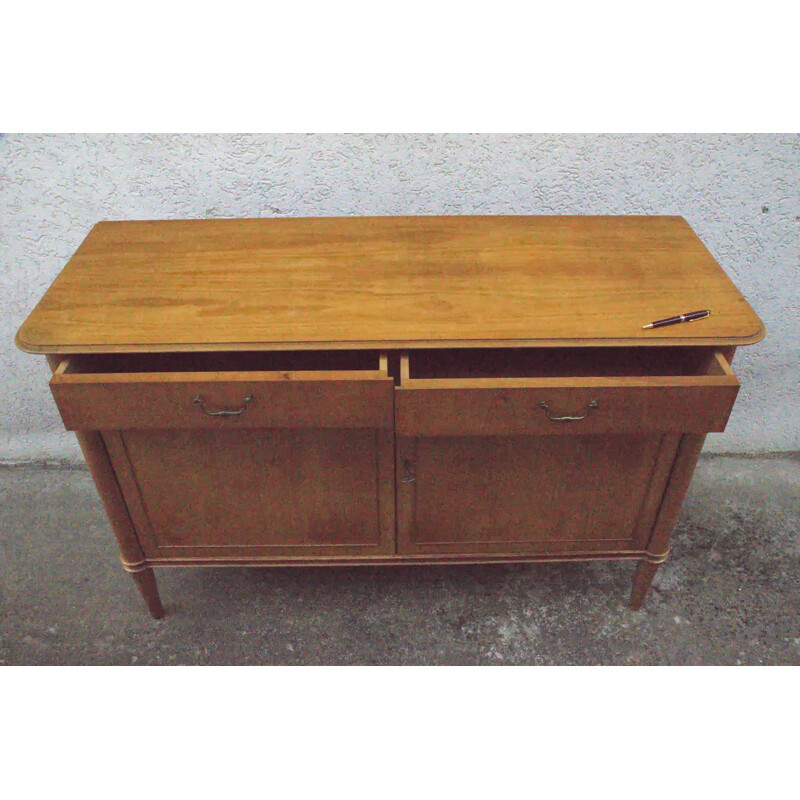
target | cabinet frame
[
  {"x": 438, "y": 326},
  {"x": 667, "y": 482}
]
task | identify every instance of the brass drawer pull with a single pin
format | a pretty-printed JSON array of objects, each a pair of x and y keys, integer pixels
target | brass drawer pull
[
  {"x": 225, "y": 412},
  {"x": 546, "y": 408},
  {"x": 408, "y": 472}
]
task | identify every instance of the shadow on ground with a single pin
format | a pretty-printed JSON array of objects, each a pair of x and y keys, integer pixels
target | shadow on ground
[{"x": 729, "y": 594}]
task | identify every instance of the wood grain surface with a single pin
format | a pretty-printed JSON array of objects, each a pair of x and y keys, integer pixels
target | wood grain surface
[
  {"x": 169, "y": 400},
  {"x": 259, "y": 492},
  {"x": 481, "y": 406},
  {"x": 386, "y": 282},
  {"x": 499, "y": 494}
]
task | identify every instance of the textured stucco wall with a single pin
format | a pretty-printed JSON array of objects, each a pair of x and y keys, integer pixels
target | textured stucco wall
[{"x": 741, "y": 193}]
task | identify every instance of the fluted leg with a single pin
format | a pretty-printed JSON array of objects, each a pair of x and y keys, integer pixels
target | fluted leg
[
  {"x": 645, "y": 571},
  {"x": 146, "y": 583}
]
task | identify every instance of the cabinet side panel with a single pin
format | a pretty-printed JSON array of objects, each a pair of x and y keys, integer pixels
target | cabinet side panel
[
  {"x": 654, "y": 494},
  {"x": 100, "y": 466},
  {"x": 679, "y": 479}
]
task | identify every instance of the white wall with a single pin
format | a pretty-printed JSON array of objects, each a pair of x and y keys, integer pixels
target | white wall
[{"x": 741, "y": 193}]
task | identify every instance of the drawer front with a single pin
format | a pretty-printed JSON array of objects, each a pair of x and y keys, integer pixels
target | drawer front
[
  {"x": 579, "y": 406},
  {"x": 128, "y": 401}
]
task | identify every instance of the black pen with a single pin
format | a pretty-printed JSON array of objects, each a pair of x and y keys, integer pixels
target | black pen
[{"x": 690, "y": 317}]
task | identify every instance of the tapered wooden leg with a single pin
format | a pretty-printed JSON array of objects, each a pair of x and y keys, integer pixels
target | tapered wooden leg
[
  {"x": 645, "y": 571},
  {"x": 677, "y": 486},
  {"x": 132, "y": 557},
  {"x": 146, "y": 582}
]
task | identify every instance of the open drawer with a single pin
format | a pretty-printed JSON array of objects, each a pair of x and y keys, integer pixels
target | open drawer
[
  {"x": 243, "y": 390},
  {"x": 246, "y": 455},
  {"x": 539, "y": 452},
  {"x": 583, "y": 391}
]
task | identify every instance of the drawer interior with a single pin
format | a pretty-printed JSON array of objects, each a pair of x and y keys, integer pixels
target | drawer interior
[
  {"x": 562, "y": 362},
  {"x": 284, "y": 361},
  {"x": 429, "y": 364}
]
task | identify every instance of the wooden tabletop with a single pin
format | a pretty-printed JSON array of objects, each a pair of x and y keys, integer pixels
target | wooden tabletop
[{"x": 386, "y": 282}]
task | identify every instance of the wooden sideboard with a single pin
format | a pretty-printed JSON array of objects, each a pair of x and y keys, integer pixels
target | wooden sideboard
[{"x": 416, "y": 390}]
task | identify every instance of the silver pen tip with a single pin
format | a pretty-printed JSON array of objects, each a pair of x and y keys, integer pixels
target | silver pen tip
[{"x": 644, "y": 327}]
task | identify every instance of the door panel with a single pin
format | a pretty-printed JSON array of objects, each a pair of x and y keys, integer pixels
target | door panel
[
  {"x": 515, "y": 494},
  {"x": 280, "y": 492}
]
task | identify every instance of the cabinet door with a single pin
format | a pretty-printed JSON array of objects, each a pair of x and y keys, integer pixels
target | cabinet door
[
  {"x": 570, "y": 455},
  {"x": 281, "y": 492},
  {"x": 243, "y": 465},
  {"x": 529, "y": 494}
]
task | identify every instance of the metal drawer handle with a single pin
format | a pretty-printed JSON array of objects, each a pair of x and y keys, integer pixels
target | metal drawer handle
[
  {"x": 546, "y": 408},
  {"x": 226, "y": 412},
  {"x": 408, "y": 472}
]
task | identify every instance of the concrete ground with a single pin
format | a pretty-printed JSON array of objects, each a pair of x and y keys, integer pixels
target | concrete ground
[{"x": 729, "y": 594}]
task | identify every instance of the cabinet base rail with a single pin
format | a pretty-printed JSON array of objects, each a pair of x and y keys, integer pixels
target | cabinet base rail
[{"x": 142, "y": 571}]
